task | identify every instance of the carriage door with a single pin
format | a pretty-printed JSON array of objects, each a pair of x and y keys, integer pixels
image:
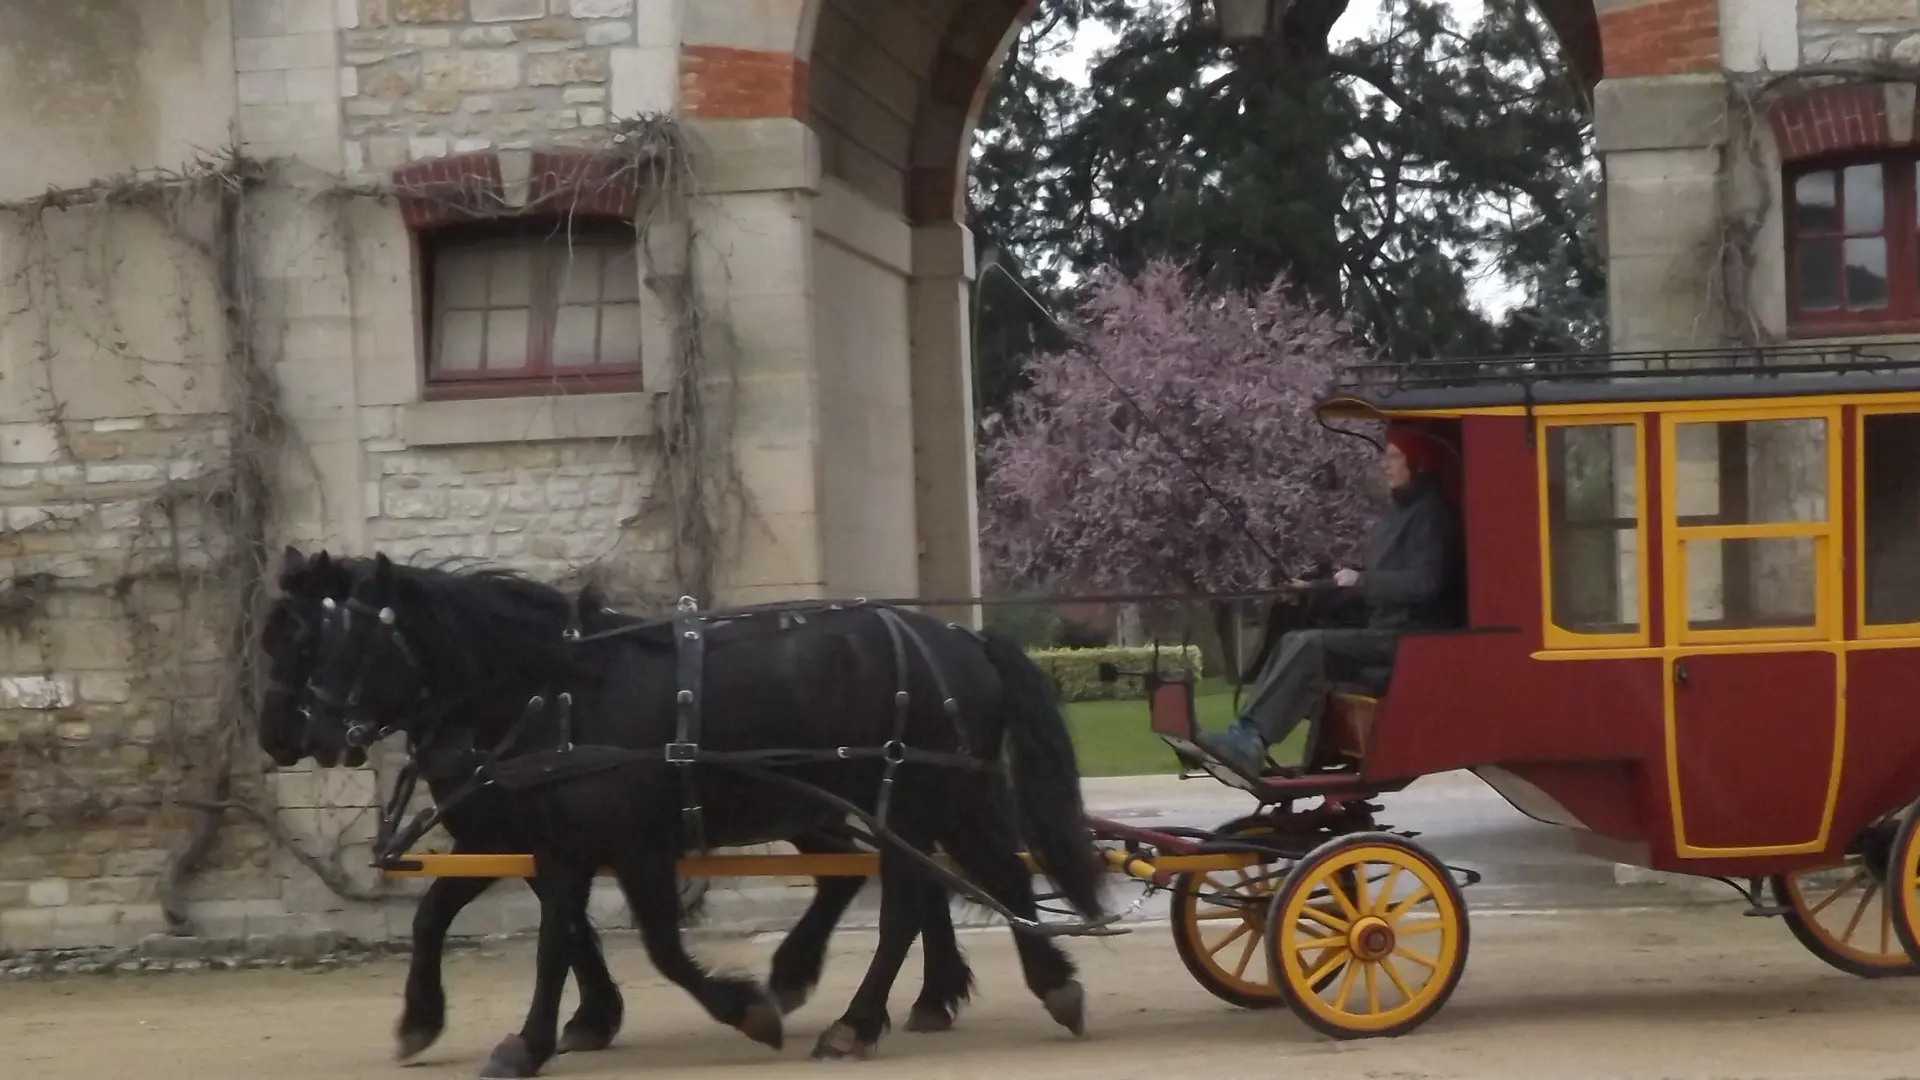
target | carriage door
[{"x": 1751, "y": 549}]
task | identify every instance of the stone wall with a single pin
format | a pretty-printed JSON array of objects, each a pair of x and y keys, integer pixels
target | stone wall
[{"x": 1838, "y": 31}]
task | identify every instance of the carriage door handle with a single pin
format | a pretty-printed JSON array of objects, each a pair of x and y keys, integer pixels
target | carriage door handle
[{"x": 1679, "y": 674}]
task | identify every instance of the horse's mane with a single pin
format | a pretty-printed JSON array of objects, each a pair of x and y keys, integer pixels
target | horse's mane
[{"x": 477, "y": 626}]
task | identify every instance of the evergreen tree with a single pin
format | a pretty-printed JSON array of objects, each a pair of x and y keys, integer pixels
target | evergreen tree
[{"x": 1382, "y": 176}]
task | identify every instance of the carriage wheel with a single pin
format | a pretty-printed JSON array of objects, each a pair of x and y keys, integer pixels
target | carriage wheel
[
  {"x": 1220, "y": 919},
  {"x": 1842, "y": 915},
  {"x": 1903, "y": 882},
  {"x": 1388, "y": 950}
]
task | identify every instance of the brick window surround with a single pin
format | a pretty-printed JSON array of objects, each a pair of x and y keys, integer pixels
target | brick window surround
[
  {"x": 1851, "y": 212},
  {"x": 526, "y": 285}
]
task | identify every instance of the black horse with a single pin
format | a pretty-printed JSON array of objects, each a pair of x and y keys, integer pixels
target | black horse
[
  {"x": 817, "y": 709},
  {"x": 485, "y": 823}
]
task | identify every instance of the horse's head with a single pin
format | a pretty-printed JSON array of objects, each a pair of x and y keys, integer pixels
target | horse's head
[
  {"x": 290, "y": 638},
  {"x": 365, "y": 666}
]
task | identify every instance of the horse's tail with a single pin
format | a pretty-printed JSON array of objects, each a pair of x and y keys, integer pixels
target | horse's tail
[{"x": 1046, "y": 779}]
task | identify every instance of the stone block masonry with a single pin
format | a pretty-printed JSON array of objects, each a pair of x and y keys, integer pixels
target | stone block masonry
[{"x": 426, "y": 78}]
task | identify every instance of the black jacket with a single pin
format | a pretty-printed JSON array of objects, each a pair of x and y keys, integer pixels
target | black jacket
[{"x": 1413, "y": 578}]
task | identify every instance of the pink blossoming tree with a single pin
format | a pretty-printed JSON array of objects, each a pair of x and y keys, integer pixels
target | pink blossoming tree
[{"x": 1081, "y": 493}]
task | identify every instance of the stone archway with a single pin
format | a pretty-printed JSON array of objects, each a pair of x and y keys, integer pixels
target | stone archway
[{"x": 842, "y": 134}]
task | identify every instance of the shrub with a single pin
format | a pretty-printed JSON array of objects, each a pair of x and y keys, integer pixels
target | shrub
[{"x": 1077, "y": 671}]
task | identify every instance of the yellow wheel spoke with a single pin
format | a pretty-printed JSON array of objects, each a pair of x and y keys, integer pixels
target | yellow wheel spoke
[
  {"x": 1393, "y": 974},
  {"x": 1238, "y": 933},
  {"x": 1346, "y": 987},
  {"x": 1424, "y": 926},
  {"x": 1386, "y": 892},
  {"x": 1328, "y": 942},
  {"x": 1373, "y": 991},
  {"x": 1417, "y": 957},
  {"x": 1845, "y": 888},
  {"x": 1358, "y": 875},
  {"x": 1326, "y": 919},
  {"x": 1340, "y": 897},
  {"x": 1246, "y": 957},
  {"x": 1399, "y": 910},
  {"x": 1326, "y": 965},
  {"x": 1859, "y": 909}
]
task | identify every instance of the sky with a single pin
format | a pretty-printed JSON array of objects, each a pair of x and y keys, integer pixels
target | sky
[{"x": 1491, "y": 292}]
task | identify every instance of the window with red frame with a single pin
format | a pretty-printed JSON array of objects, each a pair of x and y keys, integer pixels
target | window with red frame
[
  {"x": 1851, "y": 243},
  {"x": 531, "y": 307}
]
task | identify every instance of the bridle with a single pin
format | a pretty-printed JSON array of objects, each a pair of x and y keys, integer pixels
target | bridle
[{"x": 361, "y": 732}]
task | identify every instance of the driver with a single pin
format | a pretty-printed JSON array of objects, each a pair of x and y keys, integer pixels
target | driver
[{"x": 1411, "y": 561}]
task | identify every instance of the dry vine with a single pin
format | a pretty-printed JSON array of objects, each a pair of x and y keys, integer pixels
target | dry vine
[{"x": 204, "y": 538}]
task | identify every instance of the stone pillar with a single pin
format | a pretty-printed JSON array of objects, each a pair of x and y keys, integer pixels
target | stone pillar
[
  {"x": 753, "y": 273},
  {"x": 945, "y": 496},
  {"x": 1661, "y": 142}
]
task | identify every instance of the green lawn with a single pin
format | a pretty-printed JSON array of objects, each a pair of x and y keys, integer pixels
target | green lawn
[{"x": 1112, "y": 738}]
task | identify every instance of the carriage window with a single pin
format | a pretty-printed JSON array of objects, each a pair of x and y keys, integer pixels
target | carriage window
[
  {"x": 1593, "y": 528},
  {"x": 1890, "y": 506},
  {"x": 1744, "y": 476}
]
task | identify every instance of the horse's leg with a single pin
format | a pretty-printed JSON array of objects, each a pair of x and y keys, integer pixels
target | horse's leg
[
  {"x": 424, "y": 1015},
  {"x": 985, "y": 846},
  {"x": 651, "y": 884},
  {"x": 948, "y": 981},
  {"x": 597, "y": 1018},
  {"x": 563, "y": 891},
  {"x": 902, "y": 899},
  {"x": 798, "y": 961}
]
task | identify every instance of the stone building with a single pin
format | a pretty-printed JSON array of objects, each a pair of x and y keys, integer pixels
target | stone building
[{"x": 395, "y": 242}]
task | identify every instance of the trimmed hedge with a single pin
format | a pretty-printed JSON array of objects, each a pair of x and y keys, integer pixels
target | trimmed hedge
[{"x": 1077, "y": 671}]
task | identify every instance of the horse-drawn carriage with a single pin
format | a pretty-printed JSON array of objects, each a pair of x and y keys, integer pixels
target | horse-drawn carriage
[{"x": 1686, "y": 638}]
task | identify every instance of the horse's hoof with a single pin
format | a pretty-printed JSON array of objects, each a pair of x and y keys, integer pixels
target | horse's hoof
[
  {"x": 511, "y": 1060},
  {"x": 762, "y": 1024},
  {"x": 929, "y": 1018},
  {"x": 791, "y": 998},
  {"x": 413, "y": 1040},
  {"x": 840, "y": 1043},
  {"x": 1068, "y": 1007},
  {"x": 584, "y": 1039}
]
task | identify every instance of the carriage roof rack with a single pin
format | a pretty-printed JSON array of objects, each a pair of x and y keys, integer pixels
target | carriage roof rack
[{"x": 1743, "y": 371}]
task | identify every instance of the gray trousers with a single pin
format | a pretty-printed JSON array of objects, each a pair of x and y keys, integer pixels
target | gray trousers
[{"x": 1294, "y": 683}]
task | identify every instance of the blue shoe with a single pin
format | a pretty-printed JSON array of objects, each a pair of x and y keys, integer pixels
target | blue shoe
[{"x": 1239, "y": 747}]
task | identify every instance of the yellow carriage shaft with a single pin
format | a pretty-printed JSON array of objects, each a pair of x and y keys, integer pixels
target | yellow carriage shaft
[{"x": 854, "y": 865}]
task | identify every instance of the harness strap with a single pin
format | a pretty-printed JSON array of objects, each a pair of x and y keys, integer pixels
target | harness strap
[
  {"x": 690, "y": 652},
  {"x": 426, "y": 819}
]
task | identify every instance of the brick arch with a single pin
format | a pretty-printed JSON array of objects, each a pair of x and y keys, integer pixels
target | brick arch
[
  {"x": 1829, "y": 121},
  {"x": 895, "y": 91}
]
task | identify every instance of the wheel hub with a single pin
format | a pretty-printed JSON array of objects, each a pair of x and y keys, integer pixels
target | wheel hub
[{"x": 1370, "y": 938}]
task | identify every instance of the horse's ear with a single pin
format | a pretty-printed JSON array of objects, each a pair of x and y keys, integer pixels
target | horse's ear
[
  {"x": 382, "y": 572},
  {"x": 291, "y": 560}
]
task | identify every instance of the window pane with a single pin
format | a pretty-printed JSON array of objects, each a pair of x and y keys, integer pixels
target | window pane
[
  {"x": 575, "y": 334},
  {"x": 1815, "y": 207},
  {"x": 1890, "y": 489},
  {"x": 1592, "y": 520},
  {"x": 459, "y": 342},
  {"x": 1751, "y": 472},
  {"x": 1817, "y": 274},
  {"x": 621, "y": 281},
  {"x": 577, "y": 272},
  {"x": 1865, "y": 201},
  {"x": 1751, "y": 584},
  {"x": 512, "y": 278},
  {"x": 1867, "y": 272},
  {"x": 620, "y": 334},
  {"x": 506, "y": 340},
  {"x": 460, "y": 277}
]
